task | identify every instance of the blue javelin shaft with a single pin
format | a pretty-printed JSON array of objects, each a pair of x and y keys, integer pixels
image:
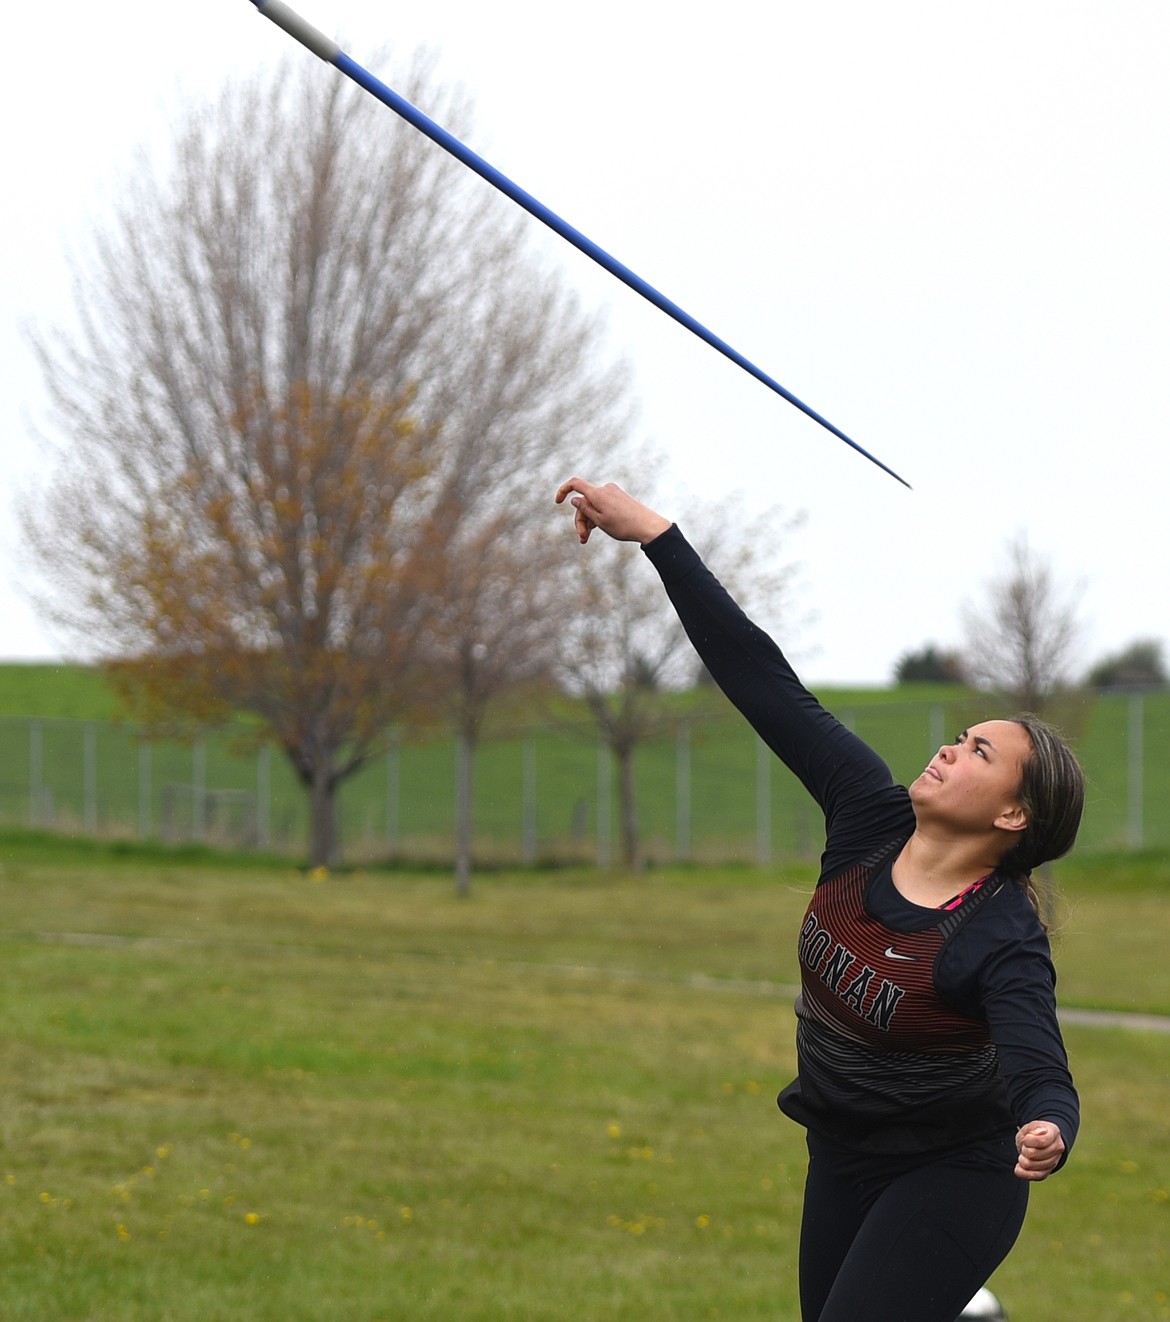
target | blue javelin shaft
[{"x": 329, "y": 51}]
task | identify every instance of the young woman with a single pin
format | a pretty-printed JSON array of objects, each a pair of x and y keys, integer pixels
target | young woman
[{"x": 933, "y": 1082}]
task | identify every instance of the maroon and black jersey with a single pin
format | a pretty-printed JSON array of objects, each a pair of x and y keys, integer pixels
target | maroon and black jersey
[
  {"x": 876, "y": 986},
  {"x": 917, "y": 1029}
]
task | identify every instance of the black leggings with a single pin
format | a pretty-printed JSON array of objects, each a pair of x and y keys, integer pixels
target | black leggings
[{"x": 903, "y": 1239}]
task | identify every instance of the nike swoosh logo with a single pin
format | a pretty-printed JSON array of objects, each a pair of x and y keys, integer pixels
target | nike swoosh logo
[{"x": 892, "y": 954}]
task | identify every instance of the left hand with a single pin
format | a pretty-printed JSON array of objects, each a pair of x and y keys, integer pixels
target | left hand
[
  {"x": 612, "y": 510},
  {"x": 1040, "y": 1148}
]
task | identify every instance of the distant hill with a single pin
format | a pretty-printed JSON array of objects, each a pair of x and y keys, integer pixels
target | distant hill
[
  {"x": 48, "y": 689},
  {"x": 44, "y": 689}
]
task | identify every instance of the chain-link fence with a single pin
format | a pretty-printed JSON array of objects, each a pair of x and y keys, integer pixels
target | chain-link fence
[{"x": 707, "y": 789}]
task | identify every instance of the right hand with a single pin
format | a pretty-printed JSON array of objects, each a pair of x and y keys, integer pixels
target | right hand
[{"x": 612, "y": 510}]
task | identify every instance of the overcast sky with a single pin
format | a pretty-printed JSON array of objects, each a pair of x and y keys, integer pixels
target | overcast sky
[{"x": 945, "y": 227}]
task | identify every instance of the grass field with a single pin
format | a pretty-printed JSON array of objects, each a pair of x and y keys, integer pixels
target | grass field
[{"x": 255, "y": 1093}]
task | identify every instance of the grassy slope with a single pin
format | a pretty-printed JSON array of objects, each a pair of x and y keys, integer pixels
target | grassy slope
[
  {"x": 46, "y": 690},
  {"x": 243, "y": 1093}
]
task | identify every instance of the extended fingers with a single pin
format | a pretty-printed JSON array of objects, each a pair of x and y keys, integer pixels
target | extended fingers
[{"x": 578, "y": 484}]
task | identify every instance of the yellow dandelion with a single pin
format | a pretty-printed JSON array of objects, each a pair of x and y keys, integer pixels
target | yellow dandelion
[
  {"x": 702, "y": 1222},
  {"x": 123, "y": 1233},
  {"x": 10, "y": 1178},
  {"x": 1129, "y": 1168},
  {"x": 319, "y": 875},
  {"x": 251, "y": 1218},
  {"x": 613, "y": 1129},
  {"x": 162, "y": 1153},
  {"x": 407, "y": 1215}
]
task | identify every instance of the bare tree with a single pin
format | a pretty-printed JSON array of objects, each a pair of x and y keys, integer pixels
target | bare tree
[
  {"x": 1023, "y": 641},
  {"x": 315, "y": 360},
  {"x": 495, "y": 634},
  {"x": 625, "y": 651}
]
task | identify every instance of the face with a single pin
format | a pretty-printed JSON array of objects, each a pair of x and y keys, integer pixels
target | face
[{"x": 972, "y": 784}]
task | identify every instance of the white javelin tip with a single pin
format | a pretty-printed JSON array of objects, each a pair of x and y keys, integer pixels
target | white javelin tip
[{"x": 295, "y": 26}]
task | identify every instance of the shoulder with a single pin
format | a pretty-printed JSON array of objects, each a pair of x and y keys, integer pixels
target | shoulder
[
  {"x": 874, "y": 819},
  {"x": 1003, "y": 948},
  {"x": 1006, "y": 926}
]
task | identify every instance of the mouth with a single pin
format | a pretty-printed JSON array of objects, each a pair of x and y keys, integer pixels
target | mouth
[{"x": 932, "y": 771}]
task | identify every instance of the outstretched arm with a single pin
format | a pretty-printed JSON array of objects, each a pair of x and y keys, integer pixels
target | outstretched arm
[
  {"x": 612, "y": 510},
  {"x": 844, "y": 776}
]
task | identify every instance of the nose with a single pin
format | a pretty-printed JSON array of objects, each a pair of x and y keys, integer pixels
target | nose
[{"x": 946, "y": 752}]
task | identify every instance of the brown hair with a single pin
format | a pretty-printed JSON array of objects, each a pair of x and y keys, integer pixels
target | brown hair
[{"x": 1052, "y": 793}]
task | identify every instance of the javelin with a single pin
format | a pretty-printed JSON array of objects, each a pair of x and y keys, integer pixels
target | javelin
[{"x": 329, "y": 51}]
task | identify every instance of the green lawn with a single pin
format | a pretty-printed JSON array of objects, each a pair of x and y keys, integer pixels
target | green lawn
[{"x": 248, "y": 1093}]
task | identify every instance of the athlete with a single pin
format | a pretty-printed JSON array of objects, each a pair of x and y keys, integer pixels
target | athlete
[{"x": 932, "y": 1079}]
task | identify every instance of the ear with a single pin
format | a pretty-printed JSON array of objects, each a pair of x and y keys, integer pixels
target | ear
[{"x": 1013, "y": 818}]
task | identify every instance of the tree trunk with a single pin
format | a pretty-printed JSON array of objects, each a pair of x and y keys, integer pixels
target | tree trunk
[
  {"x": 323, "y": 835},
  {"x": 464, "y": 813},
  {"x": 628, "y": 806}
]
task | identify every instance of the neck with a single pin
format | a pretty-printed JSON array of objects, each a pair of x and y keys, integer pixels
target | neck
[{"x": 931, "y": 869}]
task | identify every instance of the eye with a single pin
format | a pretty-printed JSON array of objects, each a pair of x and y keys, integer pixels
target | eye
[{"x": 980, "y": 751}]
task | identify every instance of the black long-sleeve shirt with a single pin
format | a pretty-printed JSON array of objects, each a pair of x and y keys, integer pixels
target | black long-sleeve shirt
[{"x": 918, "y": 1029}]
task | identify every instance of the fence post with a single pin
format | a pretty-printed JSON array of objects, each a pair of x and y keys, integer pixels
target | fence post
[
  {"x": 464, "y": 826},
  {"x": 393, "y": 767},
  {"x": 89, "y": 771},
  {"x": 1135, "y": 747},
  {"x": 528, "y": 804},
  {"x": 198, "y": 790},
  {"x": 36, "y": 789},
  {"x": 682, "y": 847},
  {"x": 938, "y": 728},
  {"x": 263, "y": 795},
  {"x": 144, "y": 794},
  {"x": 763, "y": 803},
  {"x": 604, "y": 804}
]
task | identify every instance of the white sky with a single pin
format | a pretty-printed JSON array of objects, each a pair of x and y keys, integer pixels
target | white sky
[{"x": 945, "y": 227}]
